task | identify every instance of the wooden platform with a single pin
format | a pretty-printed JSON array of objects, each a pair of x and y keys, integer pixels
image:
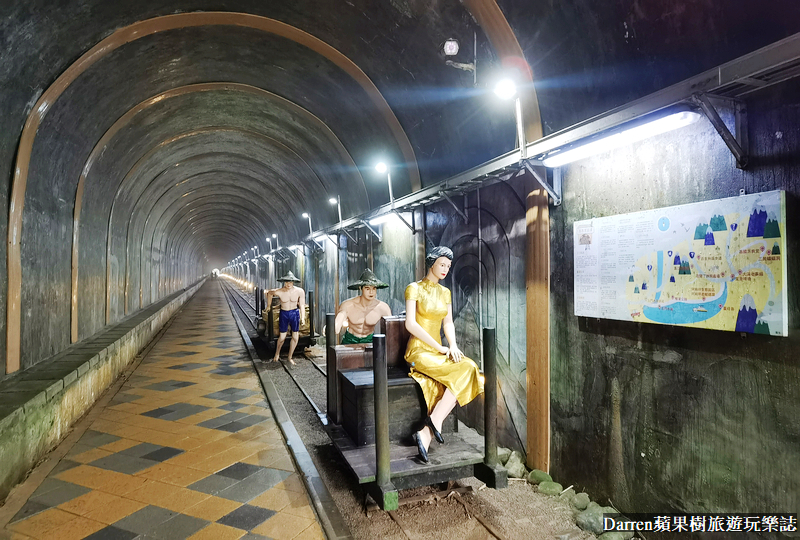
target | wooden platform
[{"x": 450, "y": 461}]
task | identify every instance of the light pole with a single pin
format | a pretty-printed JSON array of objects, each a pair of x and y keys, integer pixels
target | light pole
[
  {"x": 277, "y": 244},
  {"x": 338, "y": 202},
  {"x": 269, "y": 239},
  {"x": 506, "y": 89},
  {"x": 256, "y": 254},
  {"x": 310, "y": 229},
  {"x": 383, "y": 168}
]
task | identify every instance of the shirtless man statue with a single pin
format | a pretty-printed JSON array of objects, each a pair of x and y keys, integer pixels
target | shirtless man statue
[
  {"x": 293, "y": 312},
  {"x": 362, "y": 313}
]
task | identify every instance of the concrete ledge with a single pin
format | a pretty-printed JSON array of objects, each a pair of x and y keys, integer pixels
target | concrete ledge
[{"x": 40, "y": 404}]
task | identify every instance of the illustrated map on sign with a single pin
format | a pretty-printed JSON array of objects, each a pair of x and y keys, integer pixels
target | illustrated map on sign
[{"x": 717, "y": 264}]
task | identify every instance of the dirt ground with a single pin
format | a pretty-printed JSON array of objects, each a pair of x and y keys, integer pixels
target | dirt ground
[{"x": 517, "y": 512}]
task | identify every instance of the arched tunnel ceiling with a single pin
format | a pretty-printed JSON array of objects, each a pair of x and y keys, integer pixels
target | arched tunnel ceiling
[
  {"x": 238, "y": 97},
  {"x": 305, "y": 97}
]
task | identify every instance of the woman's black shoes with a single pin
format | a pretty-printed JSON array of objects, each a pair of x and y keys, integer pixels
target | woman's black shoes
[
  {"x": 423, "y": 454},
  {"x": 436, "y": 434}
]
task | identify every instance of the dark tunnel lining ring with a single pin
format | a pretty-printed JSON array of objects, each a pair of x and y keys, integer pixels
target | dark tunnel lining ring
[
  {"x": 117, "y": 39},
  {"x": 183, "y": 183},
  {"x": 251, "y": 181},
  {"x": 124, "y": 121},
  {"x": 142, "y": 161},
  {"x": 243, "y": 225},
  {"x": 134, "y": 212}
]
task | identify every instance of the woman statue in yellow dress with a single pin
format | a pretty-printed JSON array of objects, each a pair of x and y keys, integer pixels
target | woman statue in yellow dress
[{"x": 444, "y": 373}]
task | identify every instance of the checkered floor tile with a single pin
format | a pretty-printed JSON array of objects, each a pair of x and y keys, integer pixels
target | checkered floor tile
[{"x": 187, "y": 448}]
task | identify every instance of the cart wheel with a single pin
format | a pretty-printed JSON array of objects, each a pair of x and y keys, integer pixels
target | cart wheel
[{"x": 261, "y": 327}]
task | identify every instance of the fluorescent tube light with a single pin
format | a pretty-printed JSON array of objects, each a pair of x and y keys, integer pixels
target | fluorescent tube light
[
  {"x": 622, "y": 138},
  {"x": 385, "y": 218}
]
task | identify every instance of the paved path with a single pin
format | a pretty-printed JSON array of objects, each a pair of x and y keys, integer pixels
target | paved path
[{"x": 185, "y": 447}]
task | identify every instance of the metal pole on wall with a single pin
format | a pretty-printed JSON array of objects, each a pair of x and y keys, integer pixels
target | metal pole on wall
[
  {"x": 371, "y": 250},
  {"x": 330, "y": 362},
  {"x": 480, "y": 275},
  {"x": 336, "y": 283},
  {"x": 488, "y": 336},
  {"x": 420, "y": 247},
  {"x": 381, "y": 396}
]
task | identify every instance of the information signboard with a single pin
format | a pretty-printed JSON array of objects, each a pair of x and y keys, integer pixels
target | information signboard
[{"x": 717, "y": 264}]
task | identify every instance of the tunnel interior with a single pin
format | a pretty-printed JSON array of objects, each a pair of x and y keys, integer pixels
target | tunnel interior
[{"x": 148, "y": 143}]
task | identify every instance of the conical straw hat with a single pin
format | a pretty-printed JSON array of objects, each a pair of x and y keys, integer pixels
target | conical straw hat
[
  {"x": 289, "y": 277},
  {"x": 367, "y": 279}
]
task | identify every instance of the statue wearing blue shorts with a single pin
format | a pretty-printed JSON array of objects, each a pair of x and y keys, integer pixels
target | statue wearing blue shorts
[{"x": 292, "y": 313}]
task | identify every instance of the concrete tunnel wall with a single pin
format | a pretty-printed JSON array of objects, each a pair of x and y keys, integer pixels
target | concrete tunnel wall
[{"x": 707, "y": 419}]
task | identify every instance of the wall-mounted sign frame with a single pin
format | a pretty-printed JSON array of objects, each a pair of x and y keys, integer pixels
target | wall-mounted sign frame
[{"x": 717, "y": 264}]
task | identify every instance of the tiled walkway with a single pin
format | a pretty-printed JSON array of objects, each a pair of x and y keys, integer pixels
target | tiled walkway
[{"x": 187, "y": 448}]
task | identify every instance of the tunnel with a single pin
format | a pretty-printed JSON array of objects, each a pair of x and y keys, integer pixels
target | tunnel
[{"x": 156, "y": 151}]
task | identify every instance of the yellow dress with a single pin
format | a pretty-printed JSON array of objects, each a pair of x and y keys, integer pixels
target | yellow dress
[{"x": 431, "y": 369}]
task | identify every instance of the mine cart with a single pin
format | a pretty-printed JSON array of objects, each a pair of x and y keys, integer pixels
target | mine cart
[{"x": 267, "y": 323}]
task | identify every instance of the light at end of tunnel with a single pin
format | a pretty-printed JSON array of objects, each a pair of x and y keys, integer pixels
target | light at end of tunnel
[
  {"x": 505, "y": 89},
  {"x": 622, "y": 138},
  {"x": 381, "y": 167}
]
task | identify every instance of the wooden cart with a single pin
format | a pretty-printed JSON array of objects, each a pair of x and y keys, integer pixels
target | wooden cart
[{"x": 373, "y": 406}]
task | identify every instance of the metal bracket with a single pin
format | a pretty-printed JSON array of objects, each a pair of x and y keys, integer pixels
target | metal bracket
[
  {"x": 373, "y": 231},
  {"x": 457, "y": 209},
  {"x": 285, "y": 253},
  {"x": 555, "y": 190},
  {"x": 315, "y": 243},
  {"x": 407, "y": 224},
  {"x": 348, "y": 236},
  {"x": 430, "y": 243},
  {"x": 334, "y": 239},
  {"x": 738, "y": 144}
]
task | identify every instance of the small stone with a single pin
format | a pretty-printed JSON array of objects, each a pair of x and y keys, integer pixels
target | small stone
[
  {"x": 550, "y": 488},
  {"x": 538, "y": 476},
  {"x": 591, "y": 519},
  {"x": 614, "y": 535},
  {"x": 580, "y": 501},
  {"x": 572, "y": 534},
  {"x": 503, "y": 454},
  {"x": 516, "y": 466}
]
